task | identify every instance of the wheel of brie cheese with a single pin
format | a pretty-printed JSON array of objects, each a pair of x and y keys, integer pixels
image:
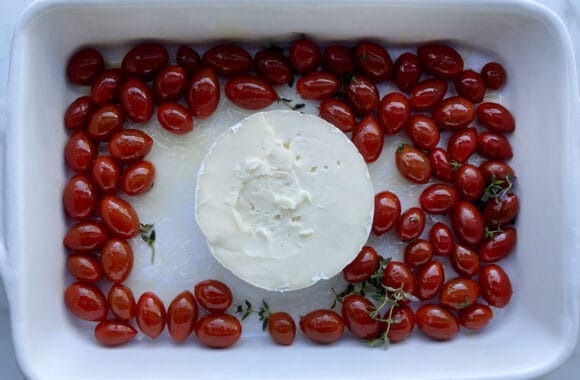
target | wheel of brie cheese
[{"x": 284, "y": 200}]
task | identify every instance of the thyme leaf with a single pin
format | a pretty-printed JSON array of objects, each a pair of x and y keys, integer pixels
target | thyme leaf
[{"x": 147, "y": 233}]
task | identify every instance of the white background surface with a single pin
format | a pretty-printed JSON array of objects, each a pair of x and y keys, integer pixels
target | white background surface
[{"x": 568, "y": 10}]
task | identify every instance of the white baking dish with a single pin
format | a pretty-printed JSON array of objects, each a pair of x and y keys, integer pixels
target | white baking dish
[{"x": 536, "y": 333}]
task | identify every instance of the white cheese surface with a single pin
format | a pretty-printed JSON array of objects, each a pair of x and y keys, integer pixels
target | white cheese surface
[{"x": 284, "y": 200}]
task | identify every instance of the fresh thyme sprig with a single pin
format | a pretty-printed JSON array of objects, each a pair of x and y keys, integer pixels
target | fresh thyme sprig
[
  {"x": 147, "y": 232},
  {"x": 498, "y": 188}
]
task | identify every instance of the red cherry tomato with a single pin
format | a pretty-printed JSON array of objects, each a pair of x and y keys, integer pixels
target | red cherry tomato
[
  {"x": 106, "y": 174},
  {"x": 356, "y": 312},
  {"x": 218, "y": 330},
  {"x": 250, "y": 92},
  {"x": 203, "y": 93},
  {"x": 405, "y": 318},
  {"x": 387, "y": 212},
  {"x": 369, "y": 139},
  {"x": 423, "y": 132},
  {"x": 363, "y": 266},
  {"x": 501, "y": 211},
  {"x": 338, "y": 113},
  {"x": 439, "y": 198},
  {"x": 114, "y": 333},
  {"x": 441, "y": 166},
  {"x": 361, "y": 94},
  {"x": 117, "y": 260},
  {"x": 495, "y": 285},
  {"x": 373, "y": 61},
  {"x": 169, "y": 84},
  {"x": 129, "y": 145},
  {"x": 454, "y": 113},
  {"x": 175, "y": 118},
  {"x": 83, "y": 267},
  {"x": 282, "y": 328},
  {"x": 78, "y": 113},
  {"x": 493, "y": 75},
  {"x": 137, "y": 100},
  {"x": 119, "y": 217},
  {"x": 440, "y": 60},
  {"x": 430, "y": 280},
  {"x": 188, "y": 58},
  {"x": 106, "y": 87},
  {"x": 495, "y": 117},
  {"x": 475, "y": 317},
  {"x": 317, "y": 85},
  {"x": 105, "y": 121},
  {"x": 469, "y": 182},
  {"x": 85, "y": 237},
  {"x": 459, "y": 293},
  {"x": 273, "y": 66},
  {"x": 228, "y": 60},
  {"x": 397, "y": 275},
  {"x": 304, "y": 56},
  {"x": 436, "y": 322},
  {"x": 410, "y": 224},
  {"x": 417, "y": 253},
  {"x": 84, "y": 65},
  {"x": 465, "y": 261},
  {"x": 494, "y": 146},
  {"x": 145, "y": 60},
  {"x": 322, "y": 326},
  {"x": 338, "y": 60},
  {"x": 498, "y": 246},
  {"x": 496, "y": 170},
  {"x": 462, "y": 144},
  {"x": 79, "y": 198},
  {"x": 469, "y": 84},
  {"x": 181, "y": 316},
  {"x": 394, "y": 112},
  {"x": 138, "y": 178},
  {"x": 427, "y": 94},
  {"x": 407, "y": 71},
  {"x": 441, "y": 238},
  {"x": 150, "y": 315},
  {"x": 122, "y": 302},
  {"x": 213, "y": 295},
  {"x": 413, "y": 164},
  {"x": 467, "y": 223},
  {"x": 79, "y": 152},
  {"x": 86, "y": 302}
]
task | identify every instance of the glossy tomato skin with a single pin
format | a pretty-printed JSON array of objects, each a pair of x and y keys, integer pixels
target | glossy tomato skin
[
  {"x": 213, "y": 295},
  {"x": 404, "y": 327},
  {"x": 282, "y": 328},
  {"x": 495, "y": 117},
  {"x": 106, "y": 87},
  {"x": 394, "y": 112},
  {"x": 356, "y": 312},
  {"x": 498, "y": 246},
  {"x": 417, "y": 253},
  {"x": 373, "y": 61},
  {"x": 459, "y": 293},
  {"x": 317, "y": 85},
  {"x": 467, "y": 223},
  {"x": 78, "y": 113},
  {"x": 496, "y": 170},
  {"x": 228, "y": 60},
  {"x": 470, "y": 85},
  {"x": 361, "y": 94},
  {"x": 136, "y": 99},
  {"x": 407, "y": 71},
  {"x": 203, "y": 93},
  {"x": 369, "y": 139},
  {"x": 85, "y": 237},
  {"x": 122, "y": 302},
  {"x": 138, "y": 178},
  {"x": 117, "y": 260},
  {"x": 106, "y": 174},
  {"x": 493, "y": 75},
  {"x": 494, "y": 146},
  {"x": 119, "y": 217},
  {"x": 218, "y": 330},
  {"x": 454, "y": 113},
  {"x": 338, "y": 59},
  {"x": 105, "y": 121},
  {"x": 502, "y": 211},
  {"x": 169, "y": 84},
  {"x": 305, "y": 56},
  {"x": 182, "y": 316},
  {"x": 469, "y": 182},
  {"x": 441, "y": 60},
  {"x": 83, "y": 267},
  {"x": 175, "y": 118},
  {"x": 427, "y": 94},
  {"x": 145, "y": 60},
  {"x": 441, "y": 239},
  {"x": 363, "y": 266},
  {"x": 84, "y": 65},
  {"x": 250, "y": 92},
  {"x": 273, "y": 66},
  {"x": 465, "y": 261},
  {"x": 387, "y": 212},
  {"x": 150, "y": 315},
  {"x": 411, "y": 224},
  {"x": 322, "y": 326},
  {"x": 86, "y": 302},
  {"x": 423, "y": 132},
  {"x": 439, "y": 198},
  {"x": 114, "y": 333},
  {"x": 398, "y": 275},
  {"x": 475, "y": 317},
  {"x": 129, "y": 145},
  {"x": 430, "y": 280},
  {"x": 338, "y": 113},
  {"x": 495, "y": 285},
  {"x": 441, "y": 164},
  {"x": 188, "y": 59},
  {"x": 436, "y": 322},
  {"x": 413, "y": 164},
  {"x": 79, "y": 198},
  {"x": 462, "y": 144}
]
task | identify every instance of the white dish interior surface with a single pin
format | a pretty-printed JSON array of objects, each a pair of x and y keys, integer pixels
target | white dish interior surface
[{"x": 533, "y": 335}]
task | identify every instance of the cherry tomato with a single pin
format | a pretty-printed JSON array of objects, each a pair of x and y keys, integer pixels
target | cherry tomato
[
  {"x": 417, "y": 253},
  {"x": 78, "y": 113},
  {"x": 363, "y": 266},
  {"x": 493, "y": 75},
  {"x": 84, "y": 65},
  {"x": 439, "y": 198},
  {"x": 150, "y": 315},
  {"x": 117, "y": 260},
  {"x": 423, "y": 132},
  {"x": 322, "y": 326},
  {"x": 469, "y": 182},
  {"x": 441, "y": 164},
  {"x": 407, "y": 71},
  {"x": 85, "y": 237},
  {"x": 454, "y": 113},
  {"x": 169, "y": 84},
  {"x": 495, "y": 117},
  {"x": 387, "y": 212},
  {"x": 119, "y": 217},
  {"x": 413, "y": 164},
  {"x": 282, "y": 328},
  {"x": 273, "y": 66},
  {"x": 304, "y": 56},
  {"x": 495, "y": 285},
  {"x": 494, "y": 146},
  {"x": 213, "y": 295},
  {"x": 79, "y": 198},
  {"x": 465, "y": 261},
  {"x": 114, "y": 333},
  {"x": 86, "y": 302},
  {"x": 203, "y": 93},
  {"x": 441, "y": 239},
  {"x": 405, "y": 318},
  {"x": 79, "y": 152},
  {"x": 361, "y": 94},
  {"x": 175, "y": 118},
  {"x": 427, "y": 94},
  {"x": 181, "y": 316},
  {"x": 462, "y": 144},
  {"x": 188, "y": 58},
  {"x": 356, "y": 312},
  {"x": 105, "y": 121},
  {"x": 138, "y": 178},
  {"x": 338, "y": 113},
  {"x": 497, "y": 246},
  {"x": 397, "y": 275},
  {"x": 218, "y": 330},
  {"x": 475, "y": 317},
  {"x": 430, "y": 280},
  {"x": 469, "y": 84},
  {"x": 136, "y": 99},
  {"x": 369, "y": 139},
  {"x": 467, "y": 223},
  {"x": 394, "y": 112},
  {"x": 410, "y": 224},
  {"x": 502, "y": 211},
  {"x": 440, "y": 60},
  {"x": 122, "y": 302},
  {"x": 106, "y": 174},
  {"x": 129, "y": 145},
  {"x": 228, "y": 60},
  {"x": 106, "y": 87},
  {"x": 459, "y": 293},
  {"x": 373, "y": 61},
  {"x": 250, "y": 92},
  {"x": 317, "y": 85},
  {"x": 496, "y": 171},
  {"x": 145, "y": 60},
  {"x": 83, "y": 267},
  {"x": 338, "y": 60},
  {"x": 436, "y": 322}
]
